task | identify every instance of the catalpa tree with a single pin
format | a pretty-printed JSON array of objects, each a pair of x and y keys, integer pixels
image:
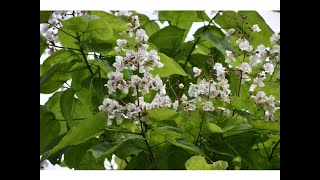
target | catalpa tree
[{"x": 144, "y": 97}]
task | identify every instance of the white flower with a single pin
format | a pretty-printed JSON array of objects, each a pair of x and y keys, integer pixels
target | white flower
[
  {"x": 141, "y": 35},
  {"x": 156, "y": 83},
  {"x": 123, "y": 13},
  {"x": 175, "y": 105},
  {"x": 115, "y": 76},
  {"x": 208, "y": 106},
  {"x": 114, "y": 110},
  {"x": 244, "y": 45},
  {"x": 119, "y": 63},
  {"x": 220, "y": 70},
  {"x": 181, "y": 86},
  {"x": 255, "y": 28},
  {"x": 259, "y": 79},
  {"x": 192, "y": 90},
  {"x": 184, "y": 98},
  {"x": 123, "y": 86},
  {"x": 260, "y": 97},
  {"x": 245, "y": 68},
  {"x": 268, "y": 68},
  {"x": 275, "y": 49},
  {"x": 45, "y": 28},
  {"x": 255, "y": 59},
  {"x": 271, "y": 101},
  {"x": 224, "y": 95},
  {"x": 263, "y": 51},
  {"x": 154, "y": 59},
  {"x": 252, "y": 87},
  {"x": 111, "y": 86},
  {"x": 224, "y": 111},
  {"x": 160, "y": 100},
  {"x": 224, "y": 84},
  {"x": 275, "y": 38},
  {"x": 132, "y": 110},
  {"x": 121, "y": 43},
  {"x": 144, "y": 46},
  {"x": 230, "y": 56},
  {"x": 197, "y": 71},
  {"x": 135, "y": 80},
  {"x": 190, "y": 107},
  {"x": 163, "y": 90},
  {"x": 135, "y": 20},
  {"x": 231, "y": 32}
]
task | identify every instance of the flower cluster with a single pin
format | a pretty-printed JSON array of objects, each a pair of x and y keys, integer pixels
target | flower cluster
[
  {"x": 267, "y": 59},
  {"x": 207, "y": 89},
  {"x": 270, "y": 104},
  {"x": 141, "y": 63}
]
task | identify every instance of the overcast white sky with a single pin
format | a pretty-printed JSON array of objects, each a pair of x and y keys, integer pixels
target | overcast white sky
[{"x": 272, "y": 19}]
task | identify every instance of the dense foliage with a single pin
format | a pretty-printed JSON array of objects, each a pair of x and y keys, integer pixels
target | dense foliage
[{"x": 149, "y": 98}]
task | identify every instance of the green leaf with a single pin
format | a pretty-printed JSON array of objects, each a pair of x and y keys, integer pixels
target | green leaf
[
  {"x": 132, "y": 144},
  {"x": 217, "y": 38},
  {"x": 85, "y": 130},
  {"x": 161, "y": 114},
  {"x": 49, "y": 127},
  {"x": 88, "y": 162},
  {"x": 101, "y": 48},
  {"x": 78, "y": 155},
  {"x": 170, "y": 67},
  {"x": 200, "y": 163},
  {"x": 150, "y": 26},
  {"x": 53, "y": 104},
  {"x": 234, "y": 82},
  {"x": 173, "y": 39},
  {"x": 177, "y": 162},
  {"x": 60, "y": 56},
  {"x": 79, "y": 24},
  {"x": 121, "y": 163},
  {"x": 44, "y": 16},
  {"x": 50, "y": 145},
  {"x": 115, "y": 22},
  {"x": 67, "y": 40},
  {"x": 67, "y": 101},
  {"x": 270, "y": 88},
  {"x": 183, "y": 19},
  {"x": 229, "y": 18},
  {"x": 55, "y": 77},
  {"x": 90, "y": 99},
  {"x": 267, "y": 125},
  {"x": 91, "y": 28},
  {"x": 141, "y": 162},
  {"x": 200, "y": 61},
  {"x": 98, "y": 30},
  {"x": 241, "y": 143},
  {"x": 216, "y": 144},
  {"x": 257, "y": 161},
  {"x": 262, "y": 37},
  {"x": 43, "y": 44},
  {"x": 80, "y": 111},
  {"x": 98, "y": 85},
  {"x": 184, "y": 144},
  {"x": 241, "y": 103},
  {"x": 183, "y": 51},
  {"x": 211, "y": 127}
]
